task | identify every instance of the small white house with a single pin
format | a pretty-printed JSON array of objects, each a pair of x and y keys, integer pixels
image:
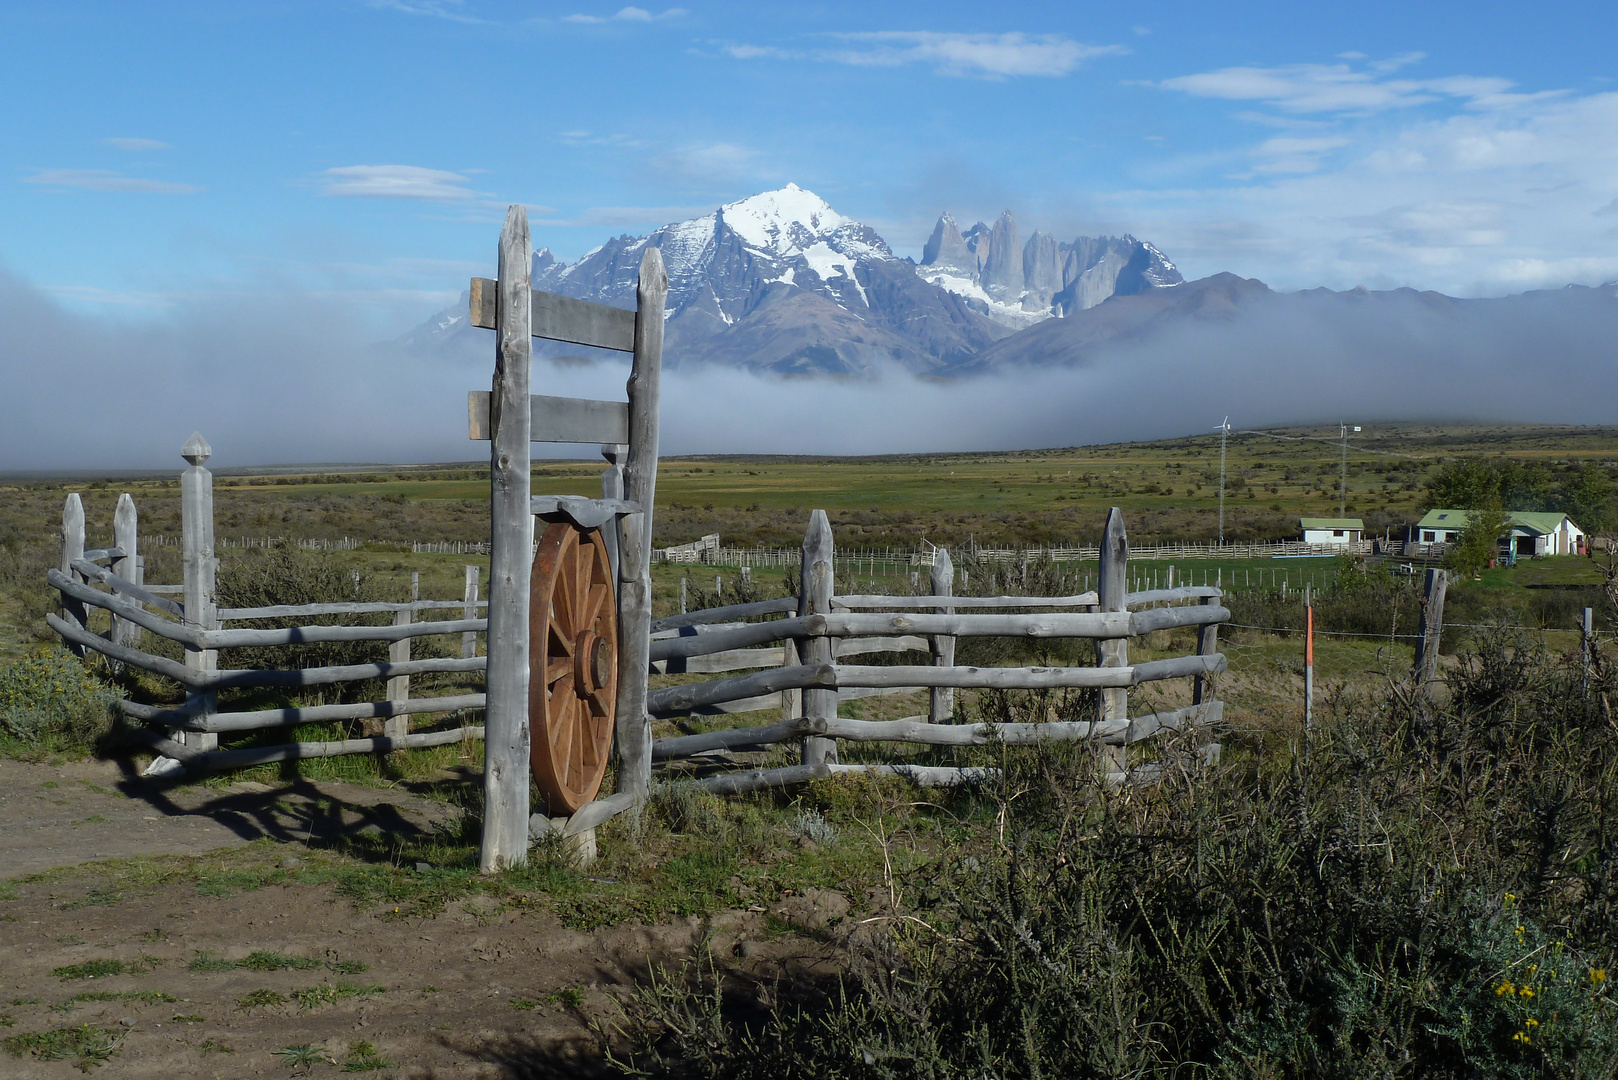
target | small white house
[
  {"x": 1343, "y": 531},
  {"x": 1526, "y": 535}
]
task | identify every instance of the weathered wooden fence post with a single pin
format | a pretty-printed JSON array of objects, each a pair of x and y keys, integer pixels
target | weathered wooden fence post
[
  {"x": 126, "y": 566},
  {"x": 612, "y": 487},
  {"x": 72, "y": 551},
  {"x": 1112, "y": 582},
  {"x": 511, "y": 553},
  {"x": 398, "y": 726},
  {"x": 469, "y": 610},
  {"x": 634, "y": 726},
  {"x": 201, "y": 609},
  {"x": 941, "y": 699},
  {"x": 1431, "y": 631},
  {"x": 815, "y": 599}
]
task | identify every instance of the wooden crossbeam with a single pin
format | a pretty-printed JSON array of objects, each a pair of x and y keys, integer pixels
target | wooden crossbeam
[
  {"x": 558, "y": 419},
  {"x": 562, "y": 318}
]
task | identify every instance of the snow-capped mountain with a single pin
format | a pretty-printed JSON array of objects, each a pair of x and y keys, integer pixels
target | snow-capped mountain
[
  {"x": 782, "y": 282},
  {"x": 1019, "y": 285}
]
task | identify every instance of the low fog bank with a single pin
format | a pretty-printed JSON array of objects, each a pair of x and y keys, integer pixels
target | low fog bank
[{"x": 286, "y": 379}]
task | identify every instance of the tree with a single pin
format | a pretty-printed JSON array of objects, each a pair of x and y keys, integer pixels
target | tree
[
  {"x": 1478, "y": 542},
  {"x": 1588, "y": 500},
  {"x": 1466, "y": 484}
]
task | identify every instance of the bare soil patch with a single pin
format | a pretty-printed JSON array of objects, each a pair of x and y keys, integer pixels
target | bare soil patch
[{"x": 222, "y": 975}]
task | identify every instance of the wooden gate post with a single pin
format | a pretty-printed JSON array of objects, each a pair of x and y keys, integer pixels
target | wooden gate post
[
  {"x": 818, "y": 554},
  {"x": 1111, "y": 586},
  {"x": 634, "y": 726},
  {"x": 73, "y": 611},
  {"x": 201, "y": 609},
  {"x": 941, "y": 699},
  {"x": 511, "y": 553},
  {"x": 124, "y": 538},
  {"x": 1425, "y": 668}
]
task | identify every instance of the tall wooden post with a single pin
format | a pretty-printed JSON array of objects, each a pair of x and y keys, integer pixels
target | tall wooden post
[
  {"x": 815, "y": 599},
  {"x": 1111, "y": 587},
  {"x": 511, "y": 553},
  {"x": 125, "y": 538},
  {"x": 469, "y": 610},
  {"x": 634, "y": 727},
  {"x": 1207, "y": 645},
  {"x": 1432, "y": 631},
  {"x": 72, "y": 551},
  {"x": 201, "y": 609},
  {"x": 941, "y": 699}
]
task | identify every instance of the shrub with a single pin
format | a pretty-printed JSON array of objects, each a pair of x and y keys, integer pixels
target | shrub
[
  {"x": 1428, "y": 891},
  {"x": 50, "y": 703}
]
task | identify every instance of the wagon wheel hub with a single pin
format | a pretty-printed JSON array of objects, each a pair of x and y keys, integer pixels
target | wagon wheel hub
[{"x": 591, "y": 659}]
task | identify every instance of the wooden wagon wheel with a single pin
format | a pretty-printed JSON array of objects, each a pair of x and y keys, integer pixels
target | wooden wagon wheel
[{"x": 573, "y": 665}]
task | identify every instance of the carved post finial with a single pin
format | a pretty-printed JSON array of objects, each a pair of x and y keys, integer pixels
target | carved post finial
[{"x": 196, "y": 449}]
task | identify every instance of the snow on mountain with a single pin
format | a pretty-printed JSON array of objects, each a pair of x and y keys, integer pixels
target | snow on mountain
[{"x": 781, "y": 281}]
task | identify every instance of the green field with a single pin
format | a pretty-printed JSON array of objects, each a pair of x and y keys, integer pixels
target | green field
[{"x": 1169, "y": 491}]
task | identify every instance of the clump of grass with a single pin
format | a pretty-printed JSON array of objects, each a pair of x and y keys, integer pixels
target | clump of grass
[
  {"x": 273, "y": 961},
  {"x": 100, "y": 969},
  {"x": 323, "y": 994},
  {"x": 186, "y": 1018},
  {"x": 145, "y": 997},
  {"x": 90, "y": 1044},
  {"x": 209, "y": 1046},
  {"x": 206, "y": 961},
  {"x": 305, "y": 1055},
  {"x": 261, "y": 999},
  {"x": 363, "y": 1057}
]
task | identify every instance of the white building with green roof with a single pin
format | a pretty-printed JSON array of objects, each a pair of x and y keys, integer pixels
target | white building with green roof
[
  {"x": 1345, "y": 531},
  {"x": 1527, "y": 534}
]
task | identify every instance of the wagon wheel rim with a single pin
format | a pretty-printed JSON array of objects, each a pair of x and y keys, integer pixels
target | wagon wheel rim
[{"x": 573, "y": 665}]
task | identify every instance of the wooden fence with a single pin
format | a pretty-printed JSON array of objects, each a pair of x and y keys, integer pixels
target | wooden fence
[
  {"x": 796, "y": 653},
  {"x": 765, "y": 558},
  {"x": 187, "y": 734}
]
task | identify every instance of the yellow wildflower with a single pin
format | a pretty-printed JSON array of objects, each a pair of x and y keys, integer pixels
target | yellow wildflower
[
  {"x": 1527, "y": 992},
  {"x": 1532, "y": 968},
  {"x": 1504, "y": 988},
  {"x": 1598, "y": 975},
  {"x": 1511, "y": 898},
  {"x": 1530, "y": 1023}
]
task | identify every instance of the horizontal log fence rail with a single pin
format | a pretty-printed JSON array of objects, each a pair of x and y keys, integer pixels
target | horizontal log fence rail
[
  {"x": 887, "y": 560},
  {"x": 187, "y": 735},
  {"x": 793, "y": 654}
]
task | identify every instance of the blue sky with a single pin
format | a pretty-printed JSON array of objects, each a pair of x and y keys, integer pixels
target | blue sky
[{"x": 158, "y": 154}]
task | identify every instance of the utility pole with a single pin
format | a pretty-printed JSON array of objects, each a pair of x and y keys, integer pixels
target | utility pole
[
  {"x": 1342, "y": 476},
  {"x": 1224, "y": 430}
]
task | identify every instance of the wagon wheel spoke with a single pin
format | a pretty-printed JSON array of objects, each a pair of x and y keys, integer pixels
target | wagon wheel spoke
[
  {"x": 595, "y": 596},
  {"x": 556, "y": 668},
  {"x": 581, "y": 739},
  {"x": 598, "y": 703}
]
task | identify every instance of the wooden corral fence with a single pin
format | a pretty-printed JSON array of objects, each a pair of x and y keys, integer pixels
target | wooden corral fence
[
  {"x": 765, "y": 558},
  {"x": 187, "y": 735},
  {"x": 819, "y": 629}
]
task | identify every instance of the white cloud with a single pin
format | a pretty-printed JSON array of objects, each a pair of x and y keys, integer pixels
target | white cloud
[
  {"x": 994, "y": 56},
  {"x": 1482, "y": 201},
  {"x": 397, "y": 182},
  {"x": 707, "y": 163},
  {"x": 104, "y": 180},
  {"x": 628, "y": 14},
  {"x": 136, "y": 144},
  {"x": 453, "y": 10},
  {"x": 1344, "y": 88}
]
